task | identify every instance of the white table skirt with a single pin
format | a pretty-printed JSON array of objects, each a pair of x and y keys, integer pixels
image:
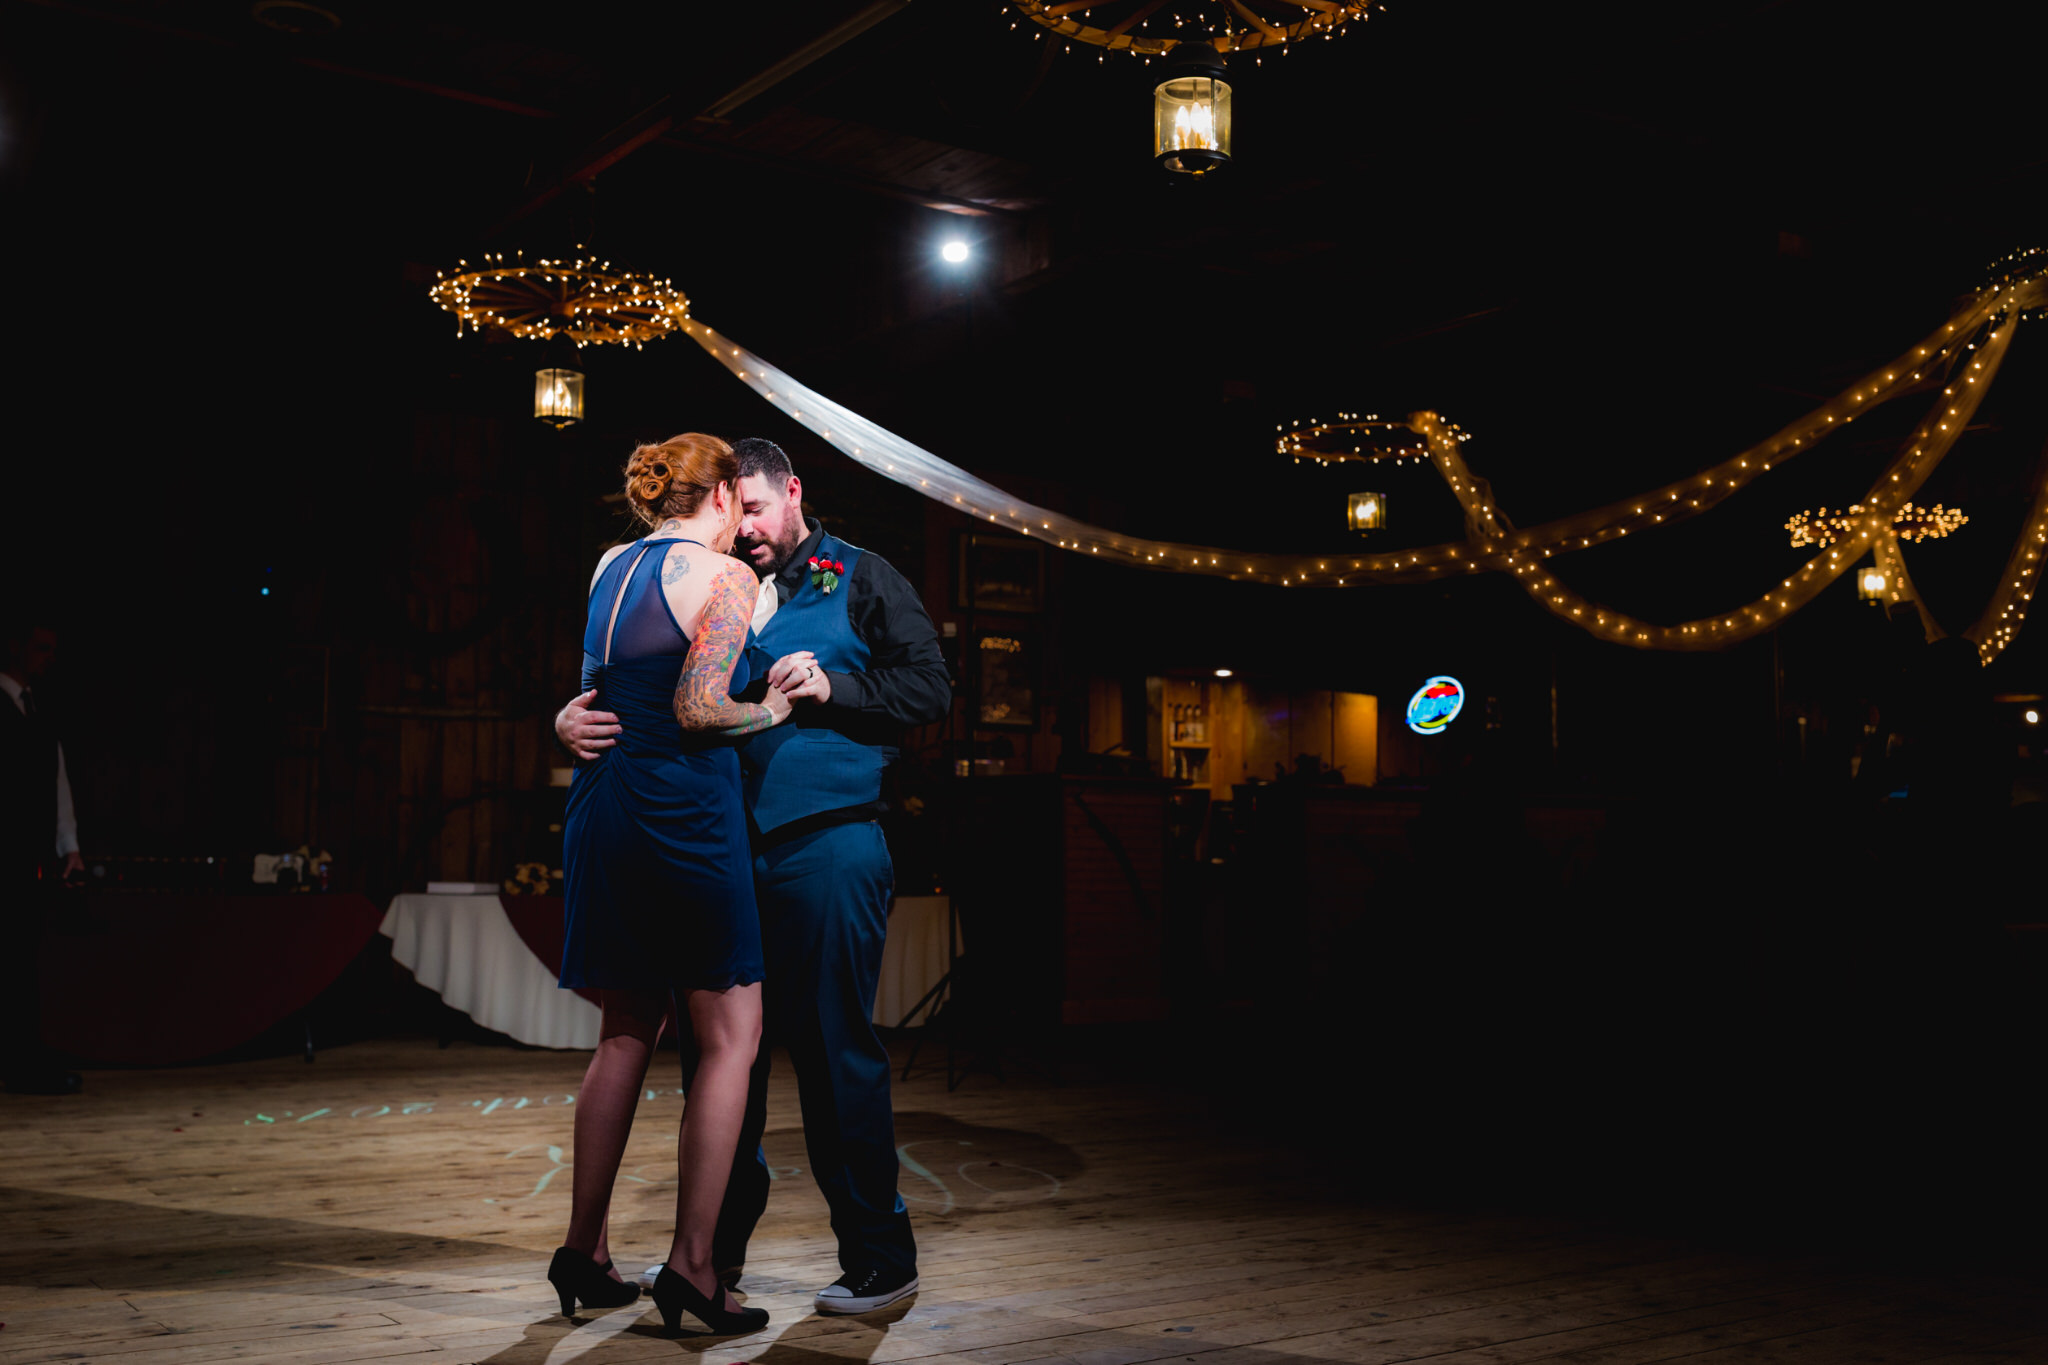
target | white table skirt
[
  {"x": 913, "y": 958},
  {"x": 466, "y": 951}
]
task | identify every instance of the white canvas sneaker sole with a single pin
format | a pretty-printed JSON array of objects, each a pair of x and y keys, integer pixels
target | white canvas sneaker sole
[{"x": 835, "y": 1299}]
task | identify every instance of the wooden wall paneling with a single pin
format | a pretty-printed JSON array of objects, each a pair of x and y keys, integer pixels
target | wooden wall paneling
[
  {"x": 1105, "y": 714},
  {"x": 1227, "y": 763},
  {"x": 489, "y": 814},
  {"x": 1267, "y": 722},
  {"x": 369, "y": 848},
  {"x": 458, "y": 782},
  {"x": 1357, "y": 725},
  {"x": 419, "y": 760},
  {"x": 1354, "y": 844},
  {"x": 1400, "y": 748},
  {"x": 1311, "y": 727},
  {"x": 1114, "y": 901}
]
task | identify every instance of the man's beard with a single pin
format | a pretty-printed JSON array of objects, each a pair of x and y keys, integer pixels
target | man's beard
[{"x": 780, "y": 551}]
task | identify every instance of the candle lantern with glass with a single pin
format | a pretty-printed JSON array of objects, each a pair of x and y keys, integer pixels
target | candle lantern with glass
[{"x": 1191, "y": 111}]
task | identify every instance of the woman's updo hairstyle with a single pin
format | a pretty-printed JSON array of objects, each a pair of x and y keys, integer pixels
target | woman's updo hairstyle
[{"x": 673, "y": 479}]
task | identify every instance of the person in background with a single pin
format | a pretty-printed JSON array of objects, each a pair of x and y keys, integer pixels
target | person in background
[
  {"x": 860, "y": 657},
  {"x": 38, "y": 848}
]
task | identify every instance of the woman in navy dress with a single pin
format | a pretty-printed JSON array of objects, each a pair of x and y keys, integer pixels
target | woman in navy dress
[{"x": 660, "y": 892}]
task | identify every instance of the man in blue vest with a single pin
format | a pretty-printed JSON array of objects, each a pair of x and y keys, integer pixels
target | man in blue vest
[{"x": 867, "y": 659}]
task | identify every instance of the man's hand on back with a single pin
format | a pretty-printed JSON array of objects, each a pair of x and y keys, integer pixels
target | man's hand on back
[{"x": 584, "y": 732}]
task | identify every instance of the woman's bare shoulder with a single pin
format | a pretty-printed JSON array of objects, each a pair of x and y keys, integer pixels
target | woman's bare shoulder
[
  {"x": 692, "y": 573},
  {"x": 680, "y": 562},
  {"x": 604, "y": 562}
]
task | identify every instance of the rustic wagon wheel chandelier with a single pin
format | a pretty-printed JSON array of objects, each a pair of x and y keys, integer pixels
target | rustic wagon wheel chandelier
[
  {"x": 1230, "y": 25},
  {"x": 1910, "y": 523},
  {"x": 584, "y": 299},
  {"x": 1354, "y": 438}
]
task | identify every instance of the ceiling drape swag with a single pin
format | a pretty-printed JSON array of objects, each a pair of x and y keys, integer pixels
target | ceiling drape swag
[{"x": 1962, "y": 356}]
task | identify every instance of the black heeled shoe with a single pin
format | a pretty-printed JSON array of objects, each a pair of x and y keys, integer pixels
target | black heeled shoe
[
  {"x": 673, "y": 1293},
  {"x": 575, "y": 1276}
]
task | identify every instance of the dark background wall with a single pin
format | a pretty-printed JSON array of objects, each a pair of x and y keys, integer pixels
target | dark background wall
[{"x": 1615, "y": 244}]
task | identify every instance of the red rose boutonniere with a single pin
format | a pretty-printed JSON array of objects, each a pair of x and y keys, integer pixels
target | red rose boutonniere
[{"x": 825, "y": 573}]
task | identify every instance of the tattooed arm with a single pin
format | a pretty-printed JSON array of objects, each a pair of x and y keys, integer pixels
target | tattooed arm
[{"x": 702, "y": 700}]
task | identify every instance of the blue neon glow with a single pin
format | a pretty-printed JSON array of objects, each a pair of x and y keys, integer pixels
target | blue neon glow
[{"x": 1435, "y": 705}]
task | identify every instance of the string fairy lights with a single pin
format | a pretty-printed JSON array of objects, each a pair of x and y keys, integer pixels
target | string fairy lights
[
  {"x": 1370, "y": 437},
  {"x": 584, "y": 299},
  {"x": 1910, "y": 523},
  {"x": 1970, "y": 347},
  {"x": 1230, "y": 25},
  {"x": 2016, "y": 267}
]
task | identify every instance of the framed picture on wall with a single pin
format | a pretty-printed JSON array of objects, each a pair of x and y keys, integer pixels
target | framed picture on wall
[
  {"x": 1006, "y": 674},
  {"x": 999, "y": 573}
]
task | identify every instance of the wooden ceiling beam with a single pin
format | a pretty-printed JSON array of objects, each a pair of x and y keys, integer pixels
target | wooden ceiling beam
[
  {"x": 849, "y": 180},
  {"x": 751, "y": 89},
  {"x": 655, "y": 121}
]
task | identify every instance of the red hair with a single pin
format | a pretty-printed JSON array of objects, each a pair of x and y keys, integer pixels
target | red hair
[{"x": 673, "y": 479}]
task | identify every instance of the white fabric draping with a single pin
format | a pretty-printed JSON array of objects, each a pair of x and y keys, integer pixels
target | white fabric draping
[
  {"x": 464, "y": 950},
  {"x": 1968, "y": 347},
  {"x": 914, "y": 957}
]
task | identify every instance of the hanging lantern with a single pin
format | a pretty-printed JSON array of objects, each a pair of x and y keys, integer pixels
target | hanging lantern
[
  {"x": 558, "y": 396},
  {"x": 1191, "y": 110},
  {"x": 1871, "y": 583},
  {"x": 1368, "y": 511}
]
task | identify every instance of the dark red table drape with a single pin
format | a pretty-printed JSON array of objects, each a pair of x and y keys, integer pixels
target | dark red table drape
[
  {"x": 539, "y": 922},
  {"x": 140, "y": 979}
]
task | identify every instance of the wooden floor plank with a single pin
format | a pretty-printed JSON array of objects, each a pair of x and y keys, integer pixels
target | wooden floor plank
[{"x": 398, "y": 1200}]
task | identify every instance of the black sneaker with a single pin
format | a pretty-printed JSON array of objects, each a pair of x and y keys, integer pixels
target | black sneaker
[{"x": 863, "y": 1291}]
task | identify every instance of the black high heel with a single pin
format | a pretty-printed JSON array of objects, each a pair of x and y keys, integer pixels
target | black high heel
[
  {"x": 575, "y": 1276},
  {"x": 673, "y": 1293}
]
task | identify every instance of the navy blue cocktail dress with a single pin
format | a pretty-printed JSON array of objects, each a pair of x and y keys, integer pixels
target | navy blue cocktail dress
[{"x": 658, "y": 875}]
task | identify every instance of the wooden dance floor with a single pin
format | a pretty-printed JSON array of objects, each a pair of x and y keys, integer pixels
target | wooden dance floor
[{"x": 395, "y": 1199}]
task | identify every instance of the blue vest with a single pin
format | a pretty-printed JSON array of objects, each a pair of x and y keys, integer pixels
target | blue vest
[{"x": 799, "y": 768}]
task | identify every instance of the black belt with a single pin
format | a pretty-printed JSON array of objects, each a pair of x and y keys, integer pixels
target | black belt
[{"x": 811, "y": 824}]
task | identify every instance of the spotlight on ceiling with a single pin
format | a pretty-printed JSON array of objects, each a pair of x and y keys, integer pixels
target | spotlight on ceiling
[{"x": 954, "y": 251}]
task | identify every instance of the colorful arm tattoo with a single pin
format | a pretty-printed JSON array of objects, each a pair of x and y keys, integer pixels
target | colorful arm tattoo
[{"x": 702, "y": 702}]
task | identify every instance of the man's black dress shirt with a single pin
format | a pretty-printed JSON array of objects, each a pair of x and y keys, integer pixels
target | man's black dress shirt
[{"x": 905, "y": 683}]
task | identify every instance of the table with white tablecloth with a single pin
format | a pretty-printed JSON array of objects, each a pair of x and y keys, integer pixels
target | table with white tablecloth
[
  {"x": 915, "y": 957},
  {"x": 466, "y": 950}
]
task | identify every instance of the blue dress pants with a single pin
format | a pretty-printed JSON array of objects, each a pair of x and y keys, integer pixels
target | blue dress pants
[{"x": 824, "y": 900}]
